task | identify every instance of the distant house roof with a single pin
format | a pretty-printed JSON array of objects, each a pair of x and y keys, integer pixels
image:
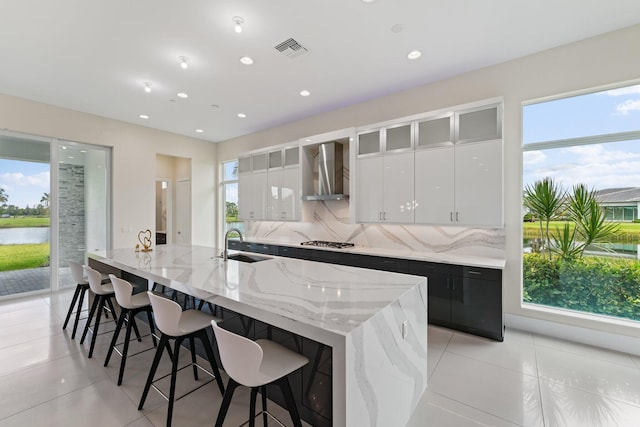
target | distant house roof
[{"x": 619, "y": 195}]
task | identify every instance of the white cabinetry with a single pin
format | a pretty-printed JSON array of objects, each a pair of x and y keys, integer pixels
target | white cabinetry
[
  {"x": 384, "y": 175},
  {"x": 442, "y": 170},
  {"x": 459, "y": 181},
  {"x": 252, "y": 186},
  {"x": 269, "y": 185}
]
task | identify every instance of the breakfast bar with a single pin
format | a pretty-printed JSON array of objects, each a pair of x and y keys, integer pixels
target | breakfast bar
[{"x": 375, "y": 322}]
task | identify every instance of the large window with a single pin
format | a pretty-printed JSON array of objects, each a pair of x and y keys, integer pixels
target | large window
[
  {"x": 229, "y": 184},
  {"x": 581, "y": 191}
]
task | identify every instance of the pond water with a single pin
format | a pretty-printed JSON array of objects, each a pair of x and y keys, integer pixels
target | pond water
[
  {"x": 623, "y": 250},
  {"x": 22, "y": 235}
]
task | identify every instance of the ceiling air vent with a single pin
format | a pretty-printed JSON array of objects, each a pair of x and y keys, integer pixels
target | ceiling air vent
[{"x": 290, "y": 48}]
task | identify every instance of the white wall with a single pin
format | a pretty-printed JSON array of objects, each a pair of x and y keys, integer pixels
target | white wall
[
  {"x": 603, "y": 60},
  {"x": 134, "y": 163}
]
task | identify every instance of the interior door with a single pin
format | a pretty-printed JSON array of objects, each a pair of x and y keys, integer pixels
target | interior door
[{"x": 183, "y": 212}]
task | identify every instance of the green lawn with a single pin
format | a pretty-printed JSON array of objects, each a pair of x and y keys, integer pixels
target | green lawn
[
  {"x": 24, "y": 221},
  {"x": 629, "y": 231},
  {"x": 17, "y": 257}
]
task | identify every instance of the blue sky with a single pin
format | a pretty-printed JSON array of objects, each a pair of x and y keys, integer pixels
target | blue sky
[
  {"x": 599, "y": 166},
  {"x": 24, "y": 182}
]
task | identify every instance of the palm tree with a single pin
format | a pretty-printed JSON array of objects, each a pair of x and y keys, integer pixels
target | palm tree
[
  {"x": 4, "y": 197},
  {"x": 585, "y": 210},
  {"x": 45, "y": 200},
  {"x": 545, "y": 200}
]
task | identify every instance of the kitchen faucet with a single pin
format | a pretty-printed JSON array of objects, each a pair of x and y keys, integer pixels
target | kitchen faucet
[{"x": 226, "y": 241}]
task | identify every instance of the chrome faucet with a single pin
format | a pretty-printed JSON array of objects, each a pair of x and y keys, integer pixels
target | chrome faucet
[{"x": 226, "y": 241}]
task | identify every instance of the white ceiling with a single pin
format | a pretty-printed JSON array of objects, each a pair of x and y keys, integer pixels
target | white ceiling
[{"x": 94, "y": 56}]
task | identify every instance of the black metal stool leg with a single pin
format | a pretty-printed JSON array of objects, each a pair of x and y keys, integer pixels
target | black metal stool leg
[
  {"x": 212, "y": 360},
  {"x": 265, "y": 420},
  {"x": 291, "y": 403},
  {"x": 88, "y": 324},
  {"x": 125, "y": 350},
  {"x": 192, "y": 346},
  {"x": 226, "y": 401},
  {"x": 71, "y": 306},
  {"x": 96, "y": 326},
  {"x": 174, "y": 374},
  {"x": 252, "y": 407},
  {"x": 116, "y": 334},
  {"x": 164, "y": 342},
  {"x": 83, "y": 291}
]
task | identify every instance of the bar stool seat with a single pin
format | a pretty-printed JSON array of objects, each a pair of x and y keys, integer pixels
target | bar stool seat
[
  {"x": 103, "y": 295},
  {"x": 256, "y": 364},
  {"x": 178, "y": 325},
  {"x": 131, "y": 304}
]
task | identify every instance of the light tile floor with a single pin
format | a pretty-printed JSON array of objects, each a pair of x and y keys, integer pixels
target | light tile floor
[{"x": 528, "y": 380}]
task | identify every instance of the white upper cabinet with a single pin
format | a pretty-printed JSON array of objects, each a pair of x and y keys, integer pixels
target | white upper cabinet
[
  {"x": 478, "y": 181},
  {"x": 370, "y": 142},
  {"x": 434, "y": 186},
  {"x": 435, "y": 131},
  {"x": 369, "y": 184},
  {"x": 479, "y": 124},
  {"x": 398, "y": 190},
  {"x": 263, "y": 185}
]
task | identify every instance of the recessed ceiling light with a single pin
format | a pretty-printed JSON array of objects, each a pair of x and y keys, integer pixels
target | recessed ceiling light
[
  {"x": 237, "y": 21},
  {"x": 147, "y": 87},
  {"x": 143, "y": 116},
  {"x": 308, "y": 140},
  {"x": 70, "y": 157},
  {"x": 83, "y": 151},
  {"x": 368, "y": 1},
  {"x": 199, "y": 130},
  {"x": 242, "y": 115},
  {"x": 182, "y": 95},
  {"x": 246, "y": 60},
  {"x": 414, "y": 54},
  {"x": 64, "y": 148},
  {"x": 184, "y": 62},
  {"x": 305, "y": 92}
]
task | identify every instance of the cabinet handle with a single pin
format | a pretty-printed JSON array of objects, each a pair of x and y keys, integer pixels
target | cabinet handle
[
  {"x": 380, "y": 216},
  {"x": 474, "y": 272},
  {"x": 384, "y": 216},
  {"x": 451, "y": 215},
  {"x": 448, "y": 283},
  {"x": 457, "y": 216}
]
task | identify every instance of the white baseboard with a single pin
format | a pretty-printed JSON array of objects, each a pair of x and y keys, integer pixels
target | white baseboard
[{"x": 578, "y": 334}]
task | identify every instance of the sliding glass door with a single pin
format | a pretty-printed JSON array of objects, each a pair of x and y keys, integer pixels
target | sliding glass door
[{"x": 50, "y": 215}]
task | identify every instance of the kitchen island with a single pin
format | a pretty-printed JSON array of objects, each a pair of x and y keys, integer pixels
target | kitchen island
[{"x": 374, "y": 322}]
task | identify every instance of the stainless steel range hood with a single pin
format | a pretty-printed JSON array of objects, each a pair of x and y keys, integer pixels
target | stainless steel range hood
[{"x": 330, "y": 182}]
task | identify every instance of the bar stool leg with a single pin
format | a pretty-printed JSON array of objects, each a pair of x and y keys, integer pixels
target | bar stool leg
[
  {"x": 116, "y": 334},
  {"x": 252, "y": 407},
  {"x": 101, "y": 299},
  {"x": 151, "y": 327},
  {"x": 174, "y": 374},
  {"x": 226, "y": 402},
  {"x": 265, "y": 420},
  {"x": 192, "y": 346},
  {"x": 71, "y": 307},
  {"x": 83, "y": 290},
  {"x": 288, "y": 398},
  {"x": 212, "y": 360},
  {"x": 125, "y": 350},
  {"x": 88, "y": 324},
  {"x": 164, "y": 342}
]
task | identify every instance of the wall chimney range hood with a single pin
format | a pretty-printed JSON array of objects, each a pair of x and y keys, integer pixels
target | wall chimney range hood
[{"x": 329, "y": 185}]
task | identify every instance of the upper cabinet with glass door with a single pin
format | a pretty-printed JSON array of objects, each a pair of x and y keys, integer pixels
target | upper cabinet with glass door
[{"x": 479, "y": 124}]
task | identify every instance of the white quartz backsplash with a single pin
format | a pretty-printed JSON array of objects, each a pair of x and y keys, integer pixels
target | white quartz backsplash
[{"x": 331, "y": 222}]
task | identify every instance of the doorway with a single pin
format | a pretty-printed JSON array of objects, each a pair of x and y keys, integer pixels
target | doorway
[{"x": 173, "y": 200}]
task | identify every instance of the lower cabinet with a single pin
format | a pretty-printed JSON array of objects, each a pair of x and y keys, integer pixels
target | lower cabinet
[{"x": 467, "y": 299}]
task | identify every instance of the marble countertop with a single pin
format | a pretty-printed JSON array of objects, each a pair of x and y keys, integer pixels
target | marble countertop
[
  {"x": 334, "y": 298},
  {"x": 440, "y": 257}
]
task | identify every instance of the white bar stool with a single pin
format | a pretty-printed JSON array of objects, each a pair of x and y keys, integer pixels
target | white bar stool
[
  {"x": 256, "y": 364},
  {"x": 131, "y": 304},
  {"x": 179, "y": 325},
  {"x": 103, "y": 295}
]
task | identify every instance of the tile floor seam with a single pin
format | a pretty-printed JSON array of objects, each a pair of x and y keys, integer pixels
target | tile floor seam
[
  {"x": 477, "y": 409},
  {"x": 492, "y": 364},
  {"x": 538, "y": 373}
]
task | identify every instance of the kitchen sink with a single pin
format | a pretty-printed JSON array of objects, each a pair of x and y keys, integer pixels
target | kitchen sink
[{"x": 247, "y": 258}]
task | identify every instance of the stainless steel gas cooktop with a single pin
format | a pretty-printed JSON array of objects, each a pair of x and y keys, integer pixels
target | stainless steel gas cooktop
[{"x": 324, "y": 244}]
